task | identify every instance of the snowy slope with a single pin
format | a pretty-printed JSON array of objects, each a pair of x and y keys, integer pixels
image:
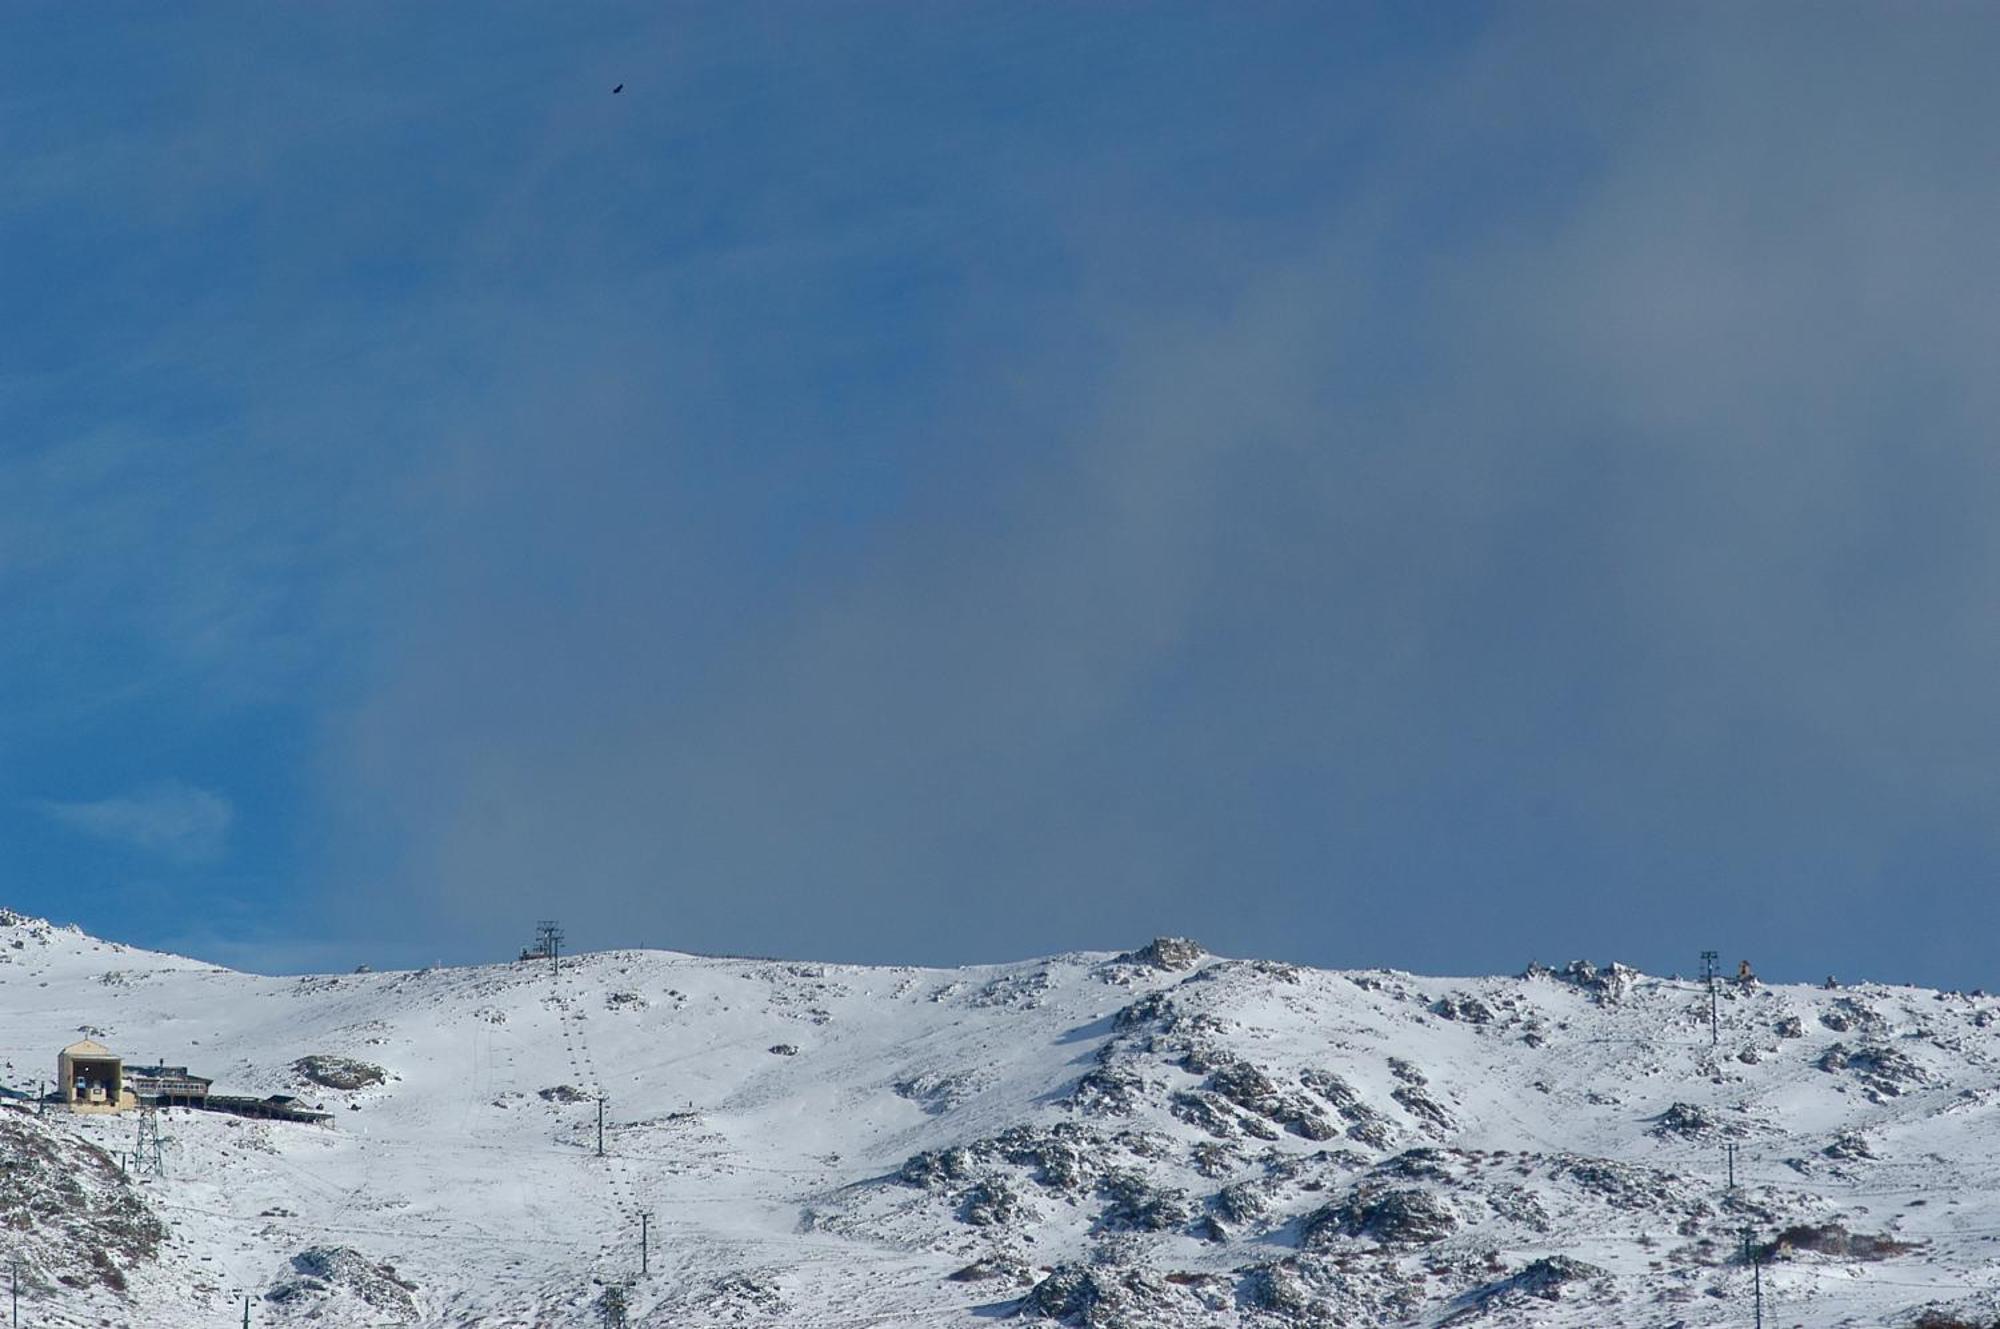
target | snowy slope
[{"x": 1157, "y": 1139}]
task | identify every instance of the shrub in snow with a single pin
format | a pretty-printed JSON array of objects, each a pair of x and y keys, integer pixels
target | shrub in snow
[{"x": 1835, "y": 1240}]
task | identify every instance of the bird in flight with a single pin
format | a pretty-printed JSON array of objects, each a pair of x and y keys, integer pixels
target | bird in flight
[{"x": 620, "y": 88}]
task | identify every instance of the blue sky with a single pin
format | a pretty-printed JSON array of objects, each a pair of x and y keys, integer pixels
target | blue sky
[{"x": 1434, "y": 486}]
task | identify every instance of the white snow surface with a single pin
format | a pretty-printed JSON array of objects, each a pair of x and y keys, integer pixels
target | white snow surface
[{"x": 1536, "y": 1114}]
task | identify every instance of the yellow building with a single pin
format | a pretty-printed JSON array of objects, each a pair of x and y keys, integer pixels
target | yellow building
[{"x": 92, "y": 1077}]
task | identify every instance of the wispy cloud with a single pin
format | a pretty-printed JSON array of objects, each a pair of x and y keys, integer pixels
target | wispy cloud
[{"x": 173, "y": 819}]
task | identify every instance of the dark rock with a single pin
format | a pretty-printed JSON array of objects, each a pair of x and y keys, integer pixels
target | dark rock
[
  {"x": 1107, "y": 1297},
  {"x": 1463, "y": 1007},
  {"x": 1204, "y": 1060},
  {"x": 993, "y": 1266},
  {"x": 1136, "y": 1204},
  {"x": 989, "y": 1203},
  {"x": 1109, "y": 1091},
  {"x": 1071, "y": 1291},
  {"x": 1244, "y": 1085},
  {"x": 1145, "y": 1144},
  {"x": 1419, "y": 1165},
  {"x": 1214, "y": 1160},
  {"x": 1520, "y": 1205},
  {"x": 1851, "y": 1013},
  {"x": 1364, "y": 1123},
  {"x": 1310, "y": 1126},
  {"x": 1275, "y": 1288},
  {"x": 1623, "y": 1185},
  {"x": 1684, "y": 1119},
  {"x": 1407, "y": 1072},
  {"x": 1330, "y": 1087},
  {"x": 1885, "y": 1071},
  {"x": 1605, "y": 986},
  {"x": 319, "y": 1271},
  {"x": 1258, "y": 1128},
  {"x": 1169, "y": 954},
  {"x": 1242, "y": 1203},
  {"x": 1398, "y": 1216},
  {"x": 1208, "y": 1111},
  {"x": 1544, "y": 1279},
  {"x": 1369, "y": 1127},
  {"x": 1424, "y": 1108},
  {"x": 1064, "y": 1157},
  {"x": 1153, "y": 1008},
  {"x": 937, "y": 1093},
  {"x": 1276, "y": 970},
  {"x": 338, "y": 1072},
  {"x": 936, "y": 1168}
]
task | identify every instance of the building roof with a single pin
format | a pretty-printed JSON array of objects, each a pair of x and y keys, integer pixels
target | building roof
[
  {"x": 88, "y": 1048},
  {"x": 164, "y": 1073}
]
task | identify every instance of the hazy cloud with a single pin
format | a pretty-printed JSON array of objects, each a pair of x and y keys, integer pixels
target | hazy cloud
[
  {"x": 178, "y": 821},
  {"x": 1555, "y": 521}
]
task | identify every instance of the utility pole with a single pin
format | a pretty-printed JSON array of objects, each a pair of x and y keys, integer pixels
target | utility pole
[
  {"x": 246, "y": 1310},
  {"x": 1708, "y": 972},
  {"x": 645, "y": 1219},
  {"x": 1756, "y": 1275},
  {"x": 1730, "y": 1149},
  {"x": 600, "y": 1125}
]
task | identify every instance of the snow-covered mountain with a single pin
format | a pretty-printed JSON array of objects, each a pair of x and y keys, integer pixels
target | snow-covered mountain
[{"x": 1157, "y": 1138}]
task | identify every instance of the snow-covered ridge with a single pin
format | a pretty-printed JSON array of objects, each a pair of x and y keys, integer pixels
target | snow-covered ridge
[{"x": 1156, "y": 1138}]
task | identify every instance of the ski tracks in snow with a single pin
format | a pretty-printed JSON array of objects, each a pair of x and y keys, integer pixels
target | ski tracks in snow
[{"x": 617, "y": 1257}]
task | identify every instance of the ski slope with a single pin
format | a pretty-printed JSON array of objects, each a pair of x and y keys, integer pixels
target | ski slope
[{"x": 1156, "y": 1139}]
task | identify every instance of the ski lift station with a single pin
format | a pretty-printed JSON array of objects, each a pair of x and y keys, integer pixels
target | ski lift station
[{"x": 91, "y": 1078}]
